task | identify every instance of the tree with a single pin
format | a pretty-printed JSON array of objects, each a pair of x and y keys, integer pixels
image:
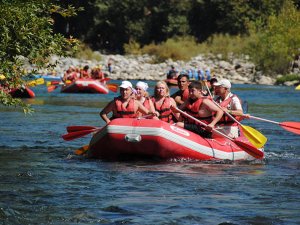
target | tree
[
  {"x": 275, "y": 45},
  {"x": 26, "y": 33}
]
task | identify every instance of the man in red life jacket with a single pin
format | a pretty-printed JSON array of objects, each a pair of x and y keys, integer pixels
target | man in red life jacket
[
  {"x": 124, "y": 106},
  {"x": 84, "y": 73},
  {"x": 231, "y": 104},
  {"x": 183, "y": 93},
  {"x": 202, "y": 108}
]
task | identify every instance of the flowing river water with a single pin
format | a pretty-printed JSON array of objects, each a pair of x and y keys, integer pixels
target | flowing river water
[{"x": 42, "y": 181}]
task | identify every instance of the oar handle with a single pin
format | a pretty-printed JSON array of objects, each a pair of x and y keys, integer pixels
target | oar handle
[
  {"x": 203, "y": 124},
  {"x": 257, "y": 118}
]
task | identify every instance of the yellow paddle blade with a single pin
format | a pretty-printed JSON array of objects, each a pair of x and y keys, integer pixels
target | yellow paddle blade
[
  {"x": 298, "y": 87},
  {"x": 38, "y": 81},
  {"x": 82, "y": 150},
  {"x": 254, "y": 136}
]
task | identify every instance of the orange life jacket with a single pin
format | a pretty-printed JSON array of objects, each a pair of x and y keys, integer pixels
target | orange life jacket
[
  {"x": 192, "y": 108},
  {"x": 165, "y": 112},
  {"x": 146, "y": 103},
  {"x": 124, "y": 112},
  {"x": 226, "y": 120}
]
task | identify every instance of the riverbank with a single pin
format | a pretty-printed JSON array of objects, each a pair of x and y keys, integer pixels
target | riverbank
[{"x": 239, "y": 71}]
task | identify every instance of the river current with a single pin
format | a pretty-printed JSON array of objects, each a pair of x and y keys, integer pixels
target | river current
[{"x": 42, "y": 181}]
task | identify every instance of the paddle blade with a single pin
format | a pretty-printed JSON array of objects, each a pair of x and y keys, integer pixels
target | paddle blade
[
  {"x": 293, "y": 127},
  {"x": 38, "y": 81},
  {"x": 105, "y": 79},
  {"x": 250, "y": 149},
  {"x": 80, "y": 128},
  {"x": 112, "y": 87},
  {"x": 76, "y": 134},
  {"x": 82, "y": 150},
  {"x": 254, "y": 136},
  {"x": 51, "y": 88}
]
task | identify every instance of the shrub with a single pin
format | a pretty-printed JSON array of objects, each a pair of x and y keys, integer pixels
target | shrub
[
  {"x": 85, "y": 52},
  {"x": 289, "y": 77},
  {"x": 273, "y": 46}
]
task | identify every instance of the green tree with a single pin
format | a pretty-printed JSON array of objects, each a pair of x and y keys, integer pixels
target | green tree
[
  {"x": 275, "y": 44},
  {"x": 26, "y": 32}
]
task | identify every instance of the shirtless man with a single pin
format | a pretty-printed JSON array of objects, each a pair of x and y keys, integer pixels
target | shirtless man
[
  {"x": 183, "y": 93},
  {"x": 202, "y": 108}
]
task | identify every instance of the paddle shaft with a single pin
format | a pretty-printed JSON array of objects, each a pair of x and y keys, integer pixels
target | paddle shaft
[
  {"x": 228, "y": 114},
  {"x": 203, "y": 124},
  {"x": 278, "y": 123},
  {"x": 246, "y": 147},
  {"x": 269, "y": 121}
]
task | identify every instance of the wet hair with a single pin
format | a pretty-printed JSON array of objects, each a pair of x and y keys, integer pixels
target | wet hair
[{"x": 195, "y": 84}]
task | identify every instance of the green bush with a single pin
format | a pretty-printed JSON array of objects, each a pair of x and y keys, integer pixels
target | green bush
[
  {"x": 273, "y": 46},
  {"x": 225, "y": 45},
  {"x": 289, "y": 77},
  {"x": 132, "y": 47},
  {"x": 177, "y": 48},
  {"x": 85, "y": 52}
]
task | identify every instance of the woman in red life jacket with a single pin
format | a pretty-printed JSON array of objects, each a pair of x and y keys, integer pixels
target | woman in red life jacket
[
  {"x": 124, "y": 106},
  {"x": 143, "y": 96},
  {"x": 202, "y": 108},
  {"x": 163, "y": 102},
  {"x": 231, "y": 104},
  {"x": 183, "y": 93}
]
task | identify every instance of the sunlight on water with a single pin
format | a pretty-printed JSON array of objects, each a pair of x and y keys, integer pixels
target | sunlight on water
[{"x": 42, "y": 181}]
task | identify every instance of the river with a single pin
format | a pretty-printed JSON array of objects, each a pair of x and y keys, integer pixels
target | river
[{"x": 42, "y": 181}]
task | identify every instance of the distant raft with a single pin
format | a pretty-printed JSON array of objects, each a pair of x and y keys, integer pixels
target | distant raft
[
  {"x": 85, "y": 86},
  {"x": 23, "y": 92}
]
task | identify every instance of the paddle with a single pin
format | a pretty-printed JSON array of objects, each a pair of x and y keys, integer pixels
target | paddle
[
  {"x": 51, "y": 88},
  {"x": 255, "y": 137},
  {"x": 82, "y": 150},
  {"x": 293, "y": 127},
  {"x": 78, "y": 134},
  {"x": 80, "y": 128},
  {"x": 112, "y": 87},
  {"x": 33, "y": 83},
  {"x": 251, "y": 150}
]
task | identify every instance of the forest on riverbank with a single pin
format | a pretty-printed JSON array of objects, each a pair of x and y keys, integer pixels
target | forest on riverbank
[{"x": 268, "y": 31}]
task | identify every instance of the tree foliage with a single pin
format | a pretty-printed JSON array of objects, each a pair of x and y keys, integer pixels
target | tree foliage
[
  {"x": 274, "y": 45},
  {"x": 26, "y": 33},
  {"x": 108, "y": 25}
]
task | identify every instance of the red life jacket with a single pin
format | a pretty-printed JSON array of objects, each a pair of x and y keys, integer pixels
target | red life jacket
[
  {"x": 165, "y": 112},
  {"x": 146, "y": 103},
  {"x": 124, "y": 112},
  {"x": 226, "y": 120},
  {"x": 185, "y": 94},
  {"x": 193, "y": 108},
  {"x": 72, "y": 76},
  {"x": 84, "y": 74}
]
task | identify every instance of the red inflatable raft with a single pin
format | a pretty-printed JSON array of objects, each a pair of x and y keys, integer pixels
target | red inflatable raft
[
  {"x": 22, "y": 93},
  {"x": 147, "y": 138},
  {"x": 85, "y": 86}
]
